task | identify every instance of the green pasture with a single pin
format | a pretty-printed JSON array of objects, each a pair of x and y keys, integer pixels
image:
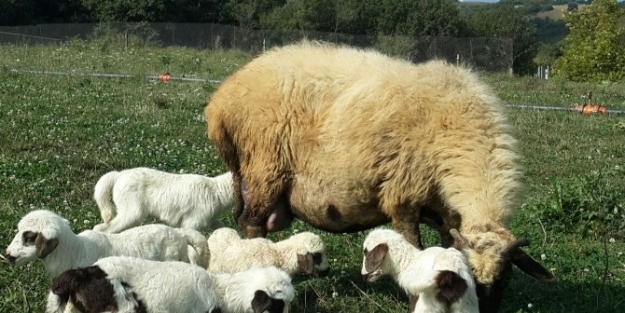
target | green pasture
[{"x": 60, "y": 133}]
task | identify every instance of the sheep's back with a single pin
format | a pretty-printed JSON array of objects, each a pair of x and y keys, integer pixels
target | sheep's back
[
  {"x": 241, "y": 255},
  {"x": 358, "y": 124}
]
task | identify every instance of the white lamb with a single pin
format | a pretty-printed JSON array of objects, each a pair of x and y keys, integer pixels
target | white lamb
[
  {"x": 45, "y": 235},
  {"x": 256, "y": 290},
  {"x": 441, "y": 278},
  {"x": 303, "y": 252},
  {"x": 128, "y": 284},
  {"x": 179, "y": 200}
]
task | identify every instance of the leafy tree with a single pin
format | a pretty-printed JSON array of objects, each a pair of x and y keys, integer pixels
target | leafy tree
[
  {"x": 416, "y": 18},
  {"x": 595, "y": 47},
  {"x": 17, "y": 12},
  {"x": 152, "y": 10},
  {"x": 504, "y": 21},
  {"x": 293, "y": 15}
]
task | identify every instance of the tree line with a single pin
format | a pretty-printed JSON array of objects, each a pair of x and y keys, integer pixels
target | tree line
[{"x": 409, "y": 18}]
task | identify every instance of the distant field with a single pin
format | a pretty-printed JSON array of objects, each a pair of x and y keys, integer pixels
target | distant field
[
  {"x": 557, "y": 13},
  {"x": 59, "y": 134}
]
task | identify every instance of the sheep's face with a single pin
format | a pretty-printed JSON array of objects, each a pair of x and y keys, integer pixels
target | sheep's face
[
  {"x": 486, "y": 254},
  {"x": 491, "y": 254},
  {"x": 36, "y": 237},
  {"x": 262, "y": 302},
  {"x": 372, "y": 263},
  {"x": 27, "y": 246},
  {"x": 314, "y": 263},
  {"x": 312, "y": 258}
]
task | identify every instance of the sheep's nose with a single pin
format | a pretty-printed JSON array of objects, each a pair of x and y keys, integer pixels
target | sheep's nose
[
  {"x": 365, "y": 277},
  {"x": 323, "y": 273},
  {"x": 7, "y": 256}
]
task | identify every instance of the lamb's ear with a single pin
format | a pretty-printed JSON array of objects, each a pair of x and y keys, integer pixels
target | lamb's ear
[
  {"x": 305, "y": 261},
  {"x": 44, "y": 245},
  {"x": 528, "y": 265},
  {"x": 261, "y": 301},
  {"x": 374, "y": 258}
]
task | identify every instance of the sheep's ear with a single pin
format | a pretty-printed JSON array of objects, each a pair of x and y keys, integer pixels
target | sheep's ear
[
  {"x": 261, "y": 301},
  {"x": 528, "y": 265},
  {"x": 44, "y": 245},
  {"x": 305, "y": 261},
  {"x": 374, "y": 258}
]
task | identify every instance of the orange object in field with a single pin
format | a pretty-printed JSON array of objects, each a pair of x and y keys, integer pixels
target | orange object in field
[
  {"x": 587, "y": 109},
  {"x": 164, "y": 77}
]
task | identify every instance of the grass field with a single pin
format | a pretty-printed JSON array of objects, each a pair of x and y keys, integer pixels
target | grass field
[{"x": 60, "y": 133}]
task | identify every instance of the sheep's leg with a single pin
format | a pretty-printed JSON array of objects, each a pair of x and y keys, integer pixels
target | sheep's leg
[
  {"x": 123, "y": 222},
  {"x": 265, "y": 210},
  {"x": 406, "y": 222},
  {"x": 130, "y": 213},
  {"x": 240, "y": 192}
]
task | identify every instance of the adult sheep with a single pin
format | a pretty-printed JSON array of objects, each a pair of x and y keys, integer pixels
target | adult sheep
[{"x": 347, "y": 139}]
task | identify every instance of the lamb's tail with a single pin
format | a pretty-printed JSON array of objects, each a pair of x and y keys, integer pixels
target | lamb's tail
[
  {"x": 102, "y": 194},
  {"x": 199, "y": 253},
  {"x": 452, "y": 287}
]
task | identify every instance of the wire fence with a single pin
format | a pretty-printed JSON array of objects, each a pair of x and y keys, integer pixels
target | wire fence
[{"x": 481, "y": 53}]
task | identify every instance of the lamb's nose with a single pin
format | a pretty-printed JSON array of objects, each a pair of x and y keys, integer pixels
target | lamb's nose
[{"x": 7, "y": 256}]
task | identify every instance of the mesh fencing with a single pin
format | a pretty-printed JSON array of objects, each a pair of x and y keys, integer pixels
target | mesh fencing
[{"x": 481, "y": 53}]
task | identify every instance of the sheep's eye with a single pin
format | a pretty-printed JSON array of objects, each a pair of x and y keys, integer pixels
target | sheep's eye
[
  {"x": 29, "y": 238},
  {"x": 317, "y": 258}
]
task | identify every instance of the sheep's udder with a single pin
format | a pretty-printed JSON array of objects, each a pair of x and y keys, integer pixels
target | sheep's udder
[{"x": 280, "y": 219}]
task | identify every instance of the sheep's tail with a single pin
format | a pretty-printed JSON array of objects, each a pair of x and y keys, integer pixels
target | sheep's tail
[
  {"x": 452, "y": 287},
  {"x": 102, "y": 194},
  {"x": 200, "y": 254}
]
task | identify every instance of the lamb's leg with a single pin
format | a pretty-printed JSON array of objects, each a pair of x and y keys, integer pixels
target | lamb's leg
[
  {"x": 413, "y": 302},
  {"x": 122, "y": 222}
]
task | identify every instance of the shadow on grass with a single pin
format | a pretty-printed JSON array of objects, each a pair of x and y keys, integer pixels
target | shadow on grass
[{"x": 528, "y": 295}]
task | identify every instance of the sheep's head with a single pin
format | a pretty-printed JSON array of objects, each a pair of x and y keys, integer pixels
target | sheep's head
[
  {"x": 276, "y": 293},
  {"x": 375, "y": 248},
  {"x": 37, "y": 237},
  {"x": 262, "y": 302},
  {"x": 311, "y": 255},
  {"x": 491, "y": 254}
]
